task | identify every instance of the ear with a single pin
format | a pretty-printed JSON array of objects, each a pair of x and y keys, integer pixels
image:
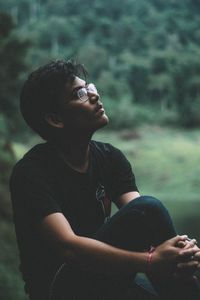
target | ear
[{"x": 54, "y": 120}]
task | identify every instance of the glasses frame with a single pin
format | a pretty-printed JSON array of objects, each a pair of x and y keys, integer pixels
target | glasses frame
[{"x": 82, "y": 93}]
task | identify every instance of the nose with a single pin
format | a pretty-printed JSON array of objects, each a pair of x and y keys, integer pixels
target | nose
[{"x": 93, "y": 97}]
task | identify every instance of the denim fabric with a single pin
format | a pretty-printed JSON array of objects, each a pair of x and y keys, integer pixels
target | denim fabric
[{"x": 141, "y": 223}]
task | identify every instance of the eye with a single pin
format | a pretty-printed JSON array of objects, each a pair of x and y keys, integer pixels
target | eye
[
  {"x": 76, "y": 93},
  {"x": 82, "y": 94}
]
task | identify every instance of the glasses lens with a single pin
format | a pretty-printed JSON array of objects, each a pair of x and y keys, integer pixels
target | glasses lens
[{"x": 82, "y": 94}]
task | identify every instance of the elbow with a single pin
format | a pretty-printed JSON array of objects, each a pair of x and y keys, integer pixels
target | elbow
[{"x": 67, "y": 250}]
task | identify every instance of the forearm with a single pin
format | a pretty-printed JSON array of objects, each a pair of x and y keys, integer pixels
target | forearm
[
  {"x": 91, "y": 253},
  {"x": 104, "y": 258}
]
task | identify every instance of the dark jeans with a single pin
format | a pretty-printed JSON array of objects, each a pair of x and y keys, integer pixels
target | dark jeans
[{"x": 141, "y": 223}]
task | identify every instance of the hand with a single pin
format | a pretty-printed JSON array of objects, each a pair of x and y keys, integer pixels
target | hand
[
  {"x": 186, "y": 269},
  {"x": 188, "y": 243},
  {"x": 197, "y": 256},
  {"x": 167, "y": 255}
]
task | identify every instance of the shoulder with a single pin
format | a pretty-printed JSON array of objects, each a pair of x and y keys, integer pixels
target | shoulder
[
  {"x": 32, "y": 164},
  {"x": 109, "y": 153},
  {"x": 105, "y": 148}
]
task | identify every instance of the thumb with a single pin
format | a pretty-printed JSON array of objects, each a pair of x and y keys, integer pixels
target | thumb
[{"x": 179, "y": 238}]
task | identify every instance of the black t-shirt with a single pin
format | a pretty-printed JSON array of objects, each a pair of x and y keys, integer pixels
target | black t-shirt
[{"x": 41, "y": 184}]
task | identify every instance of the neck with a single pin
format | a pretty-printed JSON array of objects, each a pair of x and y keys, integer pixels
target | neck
[{"x": 75, "y": 151}]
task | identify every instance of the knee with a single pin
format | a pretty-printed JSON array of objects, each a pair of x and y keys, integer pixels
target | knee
[
  {"x": 148, "y": 204},
  {"x": 150, "y": 201}
]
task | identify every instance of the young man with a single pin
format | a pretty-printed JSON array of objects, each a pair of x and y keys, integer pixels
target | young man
[{"x": 70, "y": 247}]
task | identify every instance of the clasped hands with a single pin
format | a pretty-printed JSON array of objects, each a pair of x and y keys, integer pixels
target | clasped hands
[
  {"x": 178, "y": 256},
  {"x": 191, "y": 259}
]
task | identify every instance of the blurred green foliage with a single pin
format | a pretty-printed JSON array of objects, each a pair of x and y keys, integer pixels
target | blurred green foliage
[
  {"x": 13, "y": 48},
  {"x": 140, "y": 53},
  {"x": 11, "y": 285}
]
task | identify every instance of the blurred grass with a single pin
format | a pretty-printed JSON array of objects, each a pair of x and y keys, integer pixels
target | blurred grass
[{"x": 165, "y": 161}]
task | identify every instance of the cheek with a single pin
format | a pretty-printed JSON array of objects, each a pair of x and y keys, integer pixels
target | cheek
[{"x": 77, "y": 115}]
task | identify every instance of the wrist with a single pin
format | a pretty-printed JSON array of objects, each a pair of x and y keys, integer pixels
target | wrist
[{"x": 149, "y": 259}]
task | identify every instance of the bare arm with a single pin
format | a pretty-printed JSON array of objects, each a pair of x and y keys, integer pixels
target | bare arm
[
  {"x": 91, "y": 253},
  {"x": 126, "y": 198},
  {"x": 101, "y": 257}
]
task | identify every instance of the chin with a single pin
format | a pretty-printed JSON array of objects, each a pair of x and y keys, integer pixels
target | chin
[{"x": 103, "y": 121}]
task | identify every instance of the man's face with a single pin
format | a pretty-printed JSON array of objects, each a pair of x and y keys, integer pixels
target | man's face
[{"x": 82, "y": 108}]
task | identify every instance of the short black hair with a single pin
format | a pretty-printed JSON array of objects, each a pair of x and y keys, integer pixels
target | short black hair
[{"x": 43, "y": 93}]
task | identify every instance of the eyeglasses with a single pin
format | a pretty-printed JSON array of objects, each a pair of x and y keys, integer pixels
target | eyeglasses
[{"x": 82, "y": 93}]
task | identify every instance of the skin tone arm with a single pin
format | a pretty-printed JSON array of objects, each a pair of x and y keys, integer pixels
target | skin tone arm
[
  {"x": 103, "y": 258},
  {"x": 126, "y": 198},
  {"x": 89, "y": 252}
]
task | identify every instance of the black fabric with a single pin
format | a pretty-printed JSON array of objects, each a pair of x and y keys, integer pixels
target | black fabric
[{"x": 41, "y": 184}]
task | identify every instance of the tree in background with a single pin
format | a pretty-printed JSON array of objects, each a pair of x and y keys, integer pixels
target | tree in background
[
  {"x": 150, "y": 47},
  {"x": 13, "y": 63}
]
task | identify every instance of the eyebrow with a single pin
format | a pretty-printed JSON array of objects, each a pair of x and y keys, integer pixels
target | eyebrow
[
  {"x": 73, "y": 92},
  {"x": 79, "y": 87},
  {"x": 76, "y": 89}
]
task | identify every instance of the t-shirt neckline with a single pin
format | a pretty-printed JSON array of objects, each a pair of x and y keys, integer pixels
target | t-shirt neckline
[{"x": 65, "y": 164}]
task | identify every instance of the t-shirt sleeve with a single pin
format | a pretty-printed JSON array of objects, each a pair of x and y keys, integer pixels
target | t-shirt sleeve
[
  {"x": 122, "y": 176},
  {"x": 31, "y": 194}
]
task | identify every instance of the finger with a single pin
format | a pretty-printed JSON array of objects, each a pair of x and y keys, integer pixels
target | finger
[
  {"x": 178, "y": 238},
  {"x": 187, "y": 253},
  {"x": 197, "y": 250},
  {"x": 192, "y": 241},
  {"x": 189, "y": 240},
  {"x": 188, "y": 265},
  {"x": 181, "y": 244},
  {"x": 197, "y": 256},
  {"x": 190, "y": 244}
]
